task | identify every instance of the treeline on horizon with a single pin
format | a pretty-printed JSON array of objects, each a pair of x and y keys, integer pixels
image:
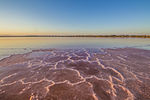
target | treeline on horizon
[{"x": 132, "y": 36}]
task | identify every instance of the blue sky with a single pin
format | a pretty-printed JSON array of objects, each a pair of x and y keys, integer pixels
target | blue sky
[{"x": 25, "y": 17}]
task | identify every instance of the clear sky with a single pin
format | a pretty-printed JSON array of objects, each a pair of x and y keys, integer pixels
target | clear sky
[{"x": 26, "y": 17}]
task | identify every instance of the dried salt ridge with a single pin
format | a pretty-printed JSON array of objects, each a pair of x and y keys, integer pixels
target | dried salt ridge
[{"x": 76, "y": 74}]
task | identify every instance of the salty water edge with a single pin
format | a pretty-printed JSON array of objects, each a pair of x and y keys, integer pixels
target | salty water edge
[{"x": 19, "y": 45}]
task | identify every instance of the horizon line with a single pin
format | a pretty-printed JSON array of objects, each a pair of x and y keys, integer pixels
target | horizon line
[{"x": 132, "y": 36}]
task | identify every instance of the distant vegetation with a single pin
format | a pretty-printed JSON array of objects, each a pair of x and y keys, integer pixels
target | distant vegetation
[{"x": 122, "y": 36}]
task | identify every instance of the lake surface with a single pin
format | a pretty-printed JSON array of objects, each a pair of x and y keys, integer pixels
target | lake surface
[{"x": 15, "y": 45}]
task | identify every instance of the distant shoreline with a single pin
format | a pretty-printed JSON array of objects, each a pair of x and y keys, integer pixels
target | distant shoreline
[{"x": 121, "y": 36}]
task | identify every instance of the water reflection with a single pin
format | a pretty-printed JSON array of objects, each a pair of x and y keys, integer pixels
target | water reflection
[{"x": 12, "y": 45}]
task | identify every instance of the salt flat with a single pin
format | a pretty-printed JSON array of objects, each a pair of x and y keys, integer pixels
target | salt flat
[{"x": 76, "y": 74}]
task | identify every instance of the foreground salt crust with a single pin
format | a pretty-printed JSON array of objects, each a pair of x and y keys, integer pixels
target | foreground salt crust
[{"x": 76, "y": 74}]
